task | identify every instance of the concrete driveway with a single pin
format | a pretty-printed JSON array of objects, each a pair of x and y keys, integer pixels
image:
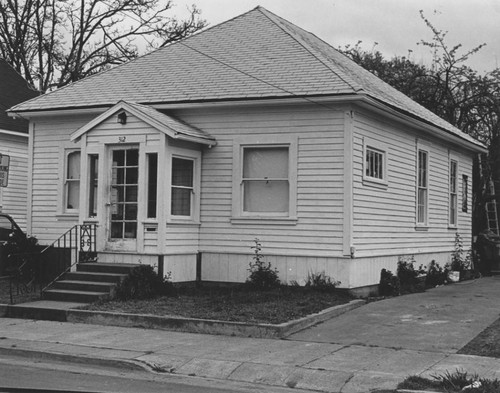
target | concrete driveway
[{"x": 442, "y": 319}]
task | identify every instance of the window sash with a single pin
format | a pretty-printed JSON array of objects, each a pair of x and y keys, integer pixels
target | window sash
[
  {"x": 72, "y": 181},
  {"x": 182, "y": 187},
  {"x": 422, "y": 187},
  {"x": 374, "y": 163},
  {"x": 269, "y": 196}
]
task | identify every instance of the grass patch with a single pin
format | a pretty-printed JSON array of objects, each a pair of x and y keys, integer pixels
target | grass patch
[
  {"x": 486, "y": 343},
  {"x": 239, "y": 304},
  {"x": 458, "y": 381}
]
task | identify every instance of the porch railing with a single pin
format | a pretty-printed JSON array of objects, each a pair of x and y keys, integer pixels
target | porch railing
[{"x": 41, "y": 268}]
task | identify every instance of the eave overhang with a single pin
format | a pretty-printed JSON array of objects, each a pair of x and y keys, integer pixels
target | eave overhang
[{"x": 323, "y": 100}]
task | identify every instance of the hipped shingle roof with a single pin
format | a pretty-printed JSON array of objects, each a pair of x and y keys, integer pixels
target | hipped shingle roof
[{"x": 257, "y": 55}]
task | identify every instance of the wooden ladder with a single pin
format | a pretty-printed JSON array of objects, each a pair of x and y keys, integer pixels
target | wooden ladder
[{"x": 489, "y": 193}]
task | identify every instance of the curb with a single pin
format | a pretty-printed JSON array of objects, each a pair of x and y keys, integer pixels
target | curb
[
  {"x": 415, "y": 391},
  {"x": 206, "y": 326},
  {"x": 79, "y": 359}
]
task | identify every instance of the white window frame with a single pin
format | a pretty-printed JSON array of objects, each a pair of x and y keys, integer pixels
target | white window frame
[
  {"x": 453, "y": 192},
  {"x": 370, "y": 145},
  {"x": 195, "y": 156},
  {"x": 273, "y": 141},
  {"x": 63, "y": 209},
  {"x": 425, "y": 222}
]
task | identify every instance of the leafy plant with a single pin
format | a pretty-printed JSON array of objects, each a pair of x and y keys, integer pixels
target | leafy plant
[
  {"x": 389, "y": 284},
  {"x": 144, "y": 283},
  {"x": 459, "y": 261},
  {"x": 408, "y": 275},
  {"x": 436, "y": 275},
  {"x": 262, "y": 275},
  {"x": 452, "y": 382},
  {"x": 321, "y": 281}
]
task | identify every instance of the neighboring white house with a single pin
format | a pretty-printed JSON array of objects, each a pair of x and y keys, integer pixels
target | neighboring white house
[
  {"x": 13, "y": 144},
  {"x": 253, "y": 128}
]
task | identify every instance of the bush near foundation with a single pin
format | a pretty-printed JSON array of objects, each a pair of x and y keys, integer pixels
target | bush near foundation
[
  {"x": 144, "y": 283},
  {"x": 389, "y": 284},
  {"x": 262, "y": 274}
]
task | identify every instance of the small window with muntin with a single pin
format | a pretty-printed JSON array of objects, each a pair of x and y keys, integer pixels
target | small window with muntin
[{"x": 374, "y": 163}]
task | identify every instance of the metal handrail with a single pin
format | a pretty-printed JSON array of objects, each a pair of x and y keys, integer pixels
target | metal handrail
[
  {"x": 78, "y": 243},
  {"x": 78, "y": 250}
]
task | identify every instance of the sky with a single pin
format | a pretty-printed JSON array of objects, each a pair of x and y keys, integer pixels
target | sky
[{"x": 393, "y": 26}]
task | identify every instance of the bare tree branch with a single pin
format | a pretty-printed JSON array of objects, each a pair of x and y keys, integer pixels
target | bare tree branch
[{"x": 56, "y": 42}]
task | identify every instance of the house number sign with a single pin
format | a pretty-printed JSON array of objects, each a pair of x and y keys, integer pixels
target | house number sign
[
  {"x": 4, "y": 170},
  {"x": 122, "y": 139}
]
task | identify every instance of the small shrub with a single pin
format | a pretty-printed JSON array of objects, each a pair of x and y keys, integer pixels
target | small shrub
[
  {"x": 415, "y": 382},
  {"x": 436, "y": 275},
  {"x": 389, "y": 284},
  {"x": 321, "y": 281},
  {"x": 459, "y": 261},
  {"x": 408, "y": 275},
  {"x": 262, "y": 275},
  {"x": 144, "y": 283}
]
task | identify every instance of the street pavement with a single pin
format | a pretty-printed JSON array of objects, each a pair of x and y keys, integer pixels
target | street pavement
[{"x": 372, "y": 347}]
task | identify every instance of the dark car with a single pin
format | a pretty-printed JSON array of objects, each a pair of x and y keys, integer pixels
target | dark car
[{"x": 9, "y": 230}]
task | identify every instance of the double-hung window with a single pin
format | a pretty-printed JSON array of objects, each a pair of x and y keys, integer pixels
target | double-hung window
[
  {"x": 422, "y": 187},
  {"x": 182, "y": 189},
  {"x": 265, "y": 183},
  {"x": 264, "y": 180},
  {"x": 72, "y": 182},
  {"x": 453, "y": 201}
]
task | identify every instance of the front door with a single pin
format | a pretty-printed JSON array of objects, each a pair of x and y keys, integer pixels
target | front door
[{"x": 123, "y": 201}]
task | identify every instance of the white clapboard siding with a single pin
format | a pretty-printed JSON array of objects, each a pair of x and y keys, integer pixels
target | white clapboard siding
[
  {"x": 51, "y": 135},
  {"x": 13, "y": 198},
  {"x": 320, "y": 158},
  {"x": 384, "y": 217},
  {"x": 227, "y": 267}
]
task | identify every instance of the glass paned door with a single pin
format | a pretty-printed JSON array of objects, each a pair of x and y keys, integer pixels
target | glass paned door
[{"x": 124, "y": 186}]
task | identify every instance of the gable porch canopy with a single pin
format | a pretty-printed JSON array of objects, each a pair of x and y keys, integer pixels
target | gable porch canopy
[{"x": 166, "y": 124}]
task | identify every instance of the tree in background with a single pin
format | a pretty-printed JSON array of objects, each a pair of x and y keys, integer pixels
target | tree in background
[
  {"x": 55, "y": 42},
  {"x": 450, "y": 89}
]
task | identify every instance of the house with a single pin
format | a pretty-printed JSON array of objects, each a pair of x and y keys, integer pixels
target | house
[
  {"x": 253, "y": 128},
  {"x": 13, "y": 144}
]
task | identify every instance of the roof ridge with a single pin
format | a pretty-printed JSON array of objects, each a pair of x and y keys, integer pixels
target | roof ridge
[{"x": 289, "y": 30}]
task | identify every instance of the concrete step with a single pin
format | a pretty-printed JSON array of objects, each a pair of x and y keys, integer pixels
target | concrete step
[
  {"x": 116, "y": 268},
  {"x": 91, "y": 286},
  {"x": 66, "y": 295},
  {"x": 94, "y": 276},
  {"x": 46, "y": 310}
]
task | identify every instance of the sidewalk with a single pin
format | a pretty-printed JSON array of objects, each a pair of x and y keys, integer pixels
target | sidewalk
[{"x": 373, "y": 347}]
